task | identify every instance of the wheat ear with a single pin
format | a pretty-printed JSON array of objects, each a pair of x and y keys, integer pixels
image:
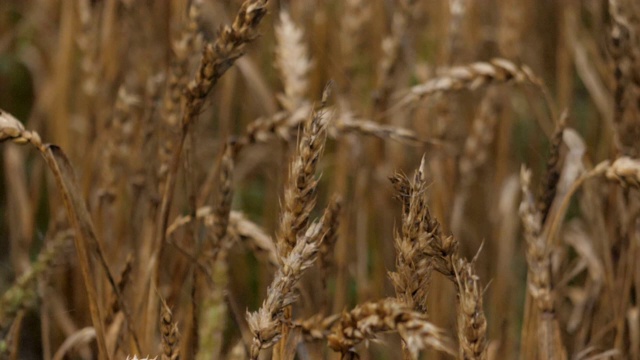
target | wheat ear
[
  {"x": 372, "y": 318},
  {"x": 266, "y": 323},
  {"x": 413, "y": 269}
]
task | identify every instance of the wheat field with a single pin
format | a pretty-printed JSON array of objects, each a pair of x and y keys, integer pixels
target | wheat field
[{"x": 357, "y": 179}]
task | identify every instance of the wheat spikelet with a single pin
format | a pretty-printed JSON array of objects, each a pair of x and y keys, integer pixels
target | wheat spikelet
[
  {"x": 472, "y": 77},
  {"x": 552, "y": 175},
  {"x": 224, "y": 196},
  {"x": 476, "y": 146},
  {"x": 413, "y": 270},
  {"x": 623, "y": 47},
  {"x": 537, "y": 254},
  {"x": 218, "y": 57},
  {"x": 299, "y": 193},
  {"x": 292, "y": 61},
  {"x": 626, "y": 171},
  {"x": 539, "y": 280},
  {"x": 472, "y": 324},
  {"x": 170, "y": 334},
  {"x": 443, "y": 250},
  {"x": 475, "y": 153},
  {"x": 182, "y": 47},
  {"x": 87, "y": 41},
  {"x": 266, "y": 323},
  {"x": 316, "y": 327},
  {"x": 356, "y": 14},
  {"x": 12, "y": 129}
]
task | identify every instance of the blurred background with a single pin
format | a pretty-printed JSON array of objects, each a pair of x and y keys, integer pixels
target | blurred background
[{"x": 100, "y": 79}]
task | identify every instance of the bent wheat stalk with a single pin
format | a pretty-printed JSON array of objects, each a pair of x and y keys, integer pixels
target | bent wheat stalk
[{"x": 13, "y": 130}]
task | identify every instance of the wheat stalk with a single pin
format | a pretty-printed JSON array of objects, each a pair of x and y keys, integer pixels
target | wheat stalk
[{"x": 11, "y": 129}]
